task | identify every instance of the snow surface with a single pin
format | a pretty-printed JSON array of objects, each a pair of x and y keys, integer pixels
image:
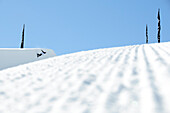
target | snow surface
[
  {"x": 132, "y": 79},
  {"x": 15, "y": 56}
]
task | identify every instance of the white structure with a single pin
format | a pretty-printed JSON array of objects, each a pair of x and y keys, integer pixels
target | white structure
[{"x": 14, "y": 56}]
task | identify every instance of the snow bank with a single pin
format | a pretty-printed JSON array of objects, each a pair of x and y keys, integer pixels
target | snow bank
[
  {"x": 132, "y": 79},
  {"x": 14, "y": 57}
]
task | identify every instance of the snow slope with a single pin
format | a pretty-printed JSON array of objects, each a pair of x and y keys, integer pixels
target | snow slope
[
  {"x": 15, "y": 56},
  {"x": 132, "y": 79}
]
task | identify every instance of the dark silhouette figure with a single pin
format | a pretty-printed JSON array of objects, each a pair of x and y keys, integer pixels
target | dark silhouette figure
[
  {"x": 159, "y": 26},
  {"x": 22, "y": 42},
  {"x": 39, "y": 54},
  {"x": 146, "y": 33},
  {"x": 43, "y": 52}
]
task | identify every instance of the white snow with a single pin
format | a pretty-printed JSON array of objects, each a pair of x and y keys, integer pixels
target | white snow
[
  {"x": 132, "y": 79},
  {"x": 16, "y": 56}
]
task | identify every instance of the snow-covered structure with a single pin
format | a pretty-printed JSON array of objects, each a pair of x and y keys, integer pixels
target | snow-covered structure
[
  {"x": 132, "y": 79},
  {"x": 16, "y": 56}
]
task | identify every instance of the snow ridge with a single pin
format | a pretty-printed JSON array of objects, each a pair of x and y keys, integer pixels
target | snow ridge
[{"x": 132, "y": 79}]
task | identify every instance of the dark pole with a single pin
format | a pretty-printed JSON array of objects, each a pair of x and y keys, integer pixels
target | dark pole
[
  {"x": 22, "y": 43},
  {"x": 146, "y": 33},
  {"x": 159, "y": 26}
]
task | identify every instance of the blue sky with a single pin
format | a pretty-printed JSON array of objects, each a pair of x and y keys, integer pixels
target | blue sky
[{"x": 68, "y": 26}]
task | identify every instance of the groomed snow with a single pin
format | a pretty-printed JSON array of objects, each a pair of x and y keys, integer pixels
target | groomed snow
[{"x": 132, "y": 79}]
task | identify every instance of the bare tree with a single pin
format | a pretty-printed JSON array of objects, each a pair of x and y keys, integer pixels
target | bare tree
[
  {"x": 146, "y": 33},
  {"x": 159, "y": 26},
  {"x": 22, "y": 42}
]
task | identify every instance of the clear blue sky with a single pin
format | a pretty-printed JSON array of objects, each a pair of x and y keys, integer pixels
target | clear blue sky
[{"x": 68, "y": 26}]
